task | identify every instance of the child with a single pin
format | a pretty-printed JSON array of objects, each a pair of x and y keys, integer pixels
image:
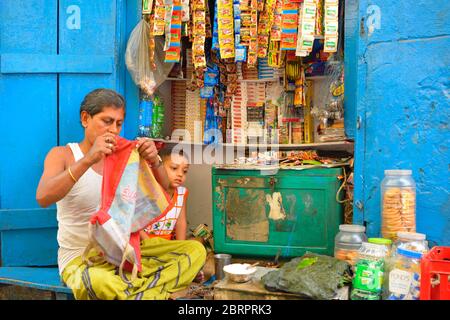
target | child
[{"x": 172, "y": 223}]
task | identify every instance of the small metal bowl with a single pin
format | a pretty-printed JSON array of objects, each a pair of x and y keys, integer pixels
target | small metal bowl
[{"x": 238, "y": 272}]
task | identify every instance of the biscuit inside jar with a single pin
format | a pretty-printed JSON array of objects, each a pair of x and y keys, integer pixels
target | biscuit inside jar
[{"x": 398, "y": 212}]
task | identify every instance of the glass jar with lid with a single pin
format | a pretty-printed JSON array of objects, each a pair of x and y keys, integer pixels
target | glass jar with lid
[
  {"x": 348, "y": 241},
  {"x": 410, "y": 241},
  {"x": 398, "y": 203}
]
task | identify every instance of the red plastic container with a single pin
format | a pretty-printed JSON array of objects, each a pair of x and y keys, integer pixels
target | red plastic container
[{"x": 435, "y": 274}]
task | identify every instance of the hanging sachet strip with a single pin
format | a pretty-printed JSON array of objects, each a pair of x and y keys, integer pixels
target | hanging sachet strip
[
  {"x": 306, "y": 28},
  {"x": 275, "y": 32},
  {"x": 264, "y": 27},
  {"x": 253, "y": 43},
  {"x": 159, "y": 18},
  {"x": 215, "y": 34},
  {"x": 289, "y": 25},
  {"x": 199, "y": 36},
  {"x": 331, "y": 22},
  {"x": 173, "y": 53},
  {"x": 240, "y": 50},
  {"x": 226, "y": 28}
]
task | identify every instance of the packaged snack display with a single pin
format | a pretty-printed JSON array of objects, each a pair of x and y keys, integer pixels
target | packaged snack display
[
  {"x": 254, "y": 44},
  {"x": 369, "y": 272}
]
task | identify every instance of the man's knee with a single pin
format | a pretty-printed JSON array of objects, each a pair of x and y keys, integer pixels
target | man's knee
[{"x": 197, "y": 248}]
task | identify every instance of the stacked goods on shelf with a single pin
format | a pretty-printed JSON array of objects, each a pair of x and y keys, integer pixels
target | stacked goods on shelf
[
  {"x": 256, "y": 96},
  {"x": 239, "y": 115},
  {"x": 249, "y": 73},
  {"x": 264, "y": 71},
  {"x": 178, "y": 95},
  {"x": 193, "y": 122}
]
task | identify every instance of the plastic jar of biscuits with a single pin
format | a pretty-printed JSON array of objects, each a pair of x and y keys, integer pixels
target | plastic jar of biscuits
[
  {"x": 398, "y": 203},
  {"x": 348, "y": 241}
]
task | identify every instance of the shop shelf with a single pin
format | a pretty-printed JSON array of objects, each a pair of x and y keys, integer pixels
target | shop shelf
[{"x": 345, "y": 145}]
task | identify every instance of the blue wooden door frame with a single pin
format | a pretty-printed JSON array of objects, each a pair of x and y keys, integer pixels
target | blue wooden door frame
[{"x": 30, "y": 118}]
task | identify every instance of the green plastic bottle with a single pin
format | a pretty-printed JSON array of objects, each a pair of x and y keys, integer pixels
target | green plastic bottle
[{"x": 158, "y": 117}]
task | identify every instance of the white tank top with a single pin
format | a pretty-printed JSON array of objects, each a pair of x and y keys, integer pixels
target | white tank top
[{"x": 74, "y": 212}]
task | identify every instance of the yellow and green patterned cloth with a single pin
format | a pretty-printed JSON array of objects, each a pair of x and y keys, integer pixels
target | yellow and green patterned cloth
[{"x": 167, "y": 266}]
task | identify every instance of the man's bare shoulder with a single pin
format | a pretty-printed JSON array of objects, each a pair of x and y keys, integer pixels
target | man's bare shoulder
[{"x": 59, "y": 154}]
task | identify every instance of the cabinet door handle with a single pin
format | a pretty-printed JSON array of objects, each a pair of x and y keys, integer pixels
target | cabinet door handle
[{"x": 272, "y": 182}]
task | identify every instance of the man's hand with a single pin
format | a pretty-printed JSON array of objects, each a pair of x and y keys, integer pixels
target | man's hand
[
  {"x": 147, "y": 150},
  {"x": 103, "y": 145}
]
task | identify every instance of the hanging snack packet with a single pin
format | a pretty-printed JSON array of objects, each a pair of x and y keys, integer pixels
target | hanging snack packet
[
  {"x": 331, "y": 27},
  {"x": 274, "y": 56},
  {"x": 309, "y": 11},
  {"x": 147, "y": 6},
  {"x": 207, "y": 92},
  {"x": 212, "y": 75},
  {"x": 308, "y": 27},
  {"x": 306, "y": 43},
  {"x": 330, "y": 44}
]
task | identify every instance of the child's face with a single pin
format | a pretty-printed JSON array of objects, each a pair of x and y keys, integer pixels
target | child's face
[{"x": 176, "y": 167}]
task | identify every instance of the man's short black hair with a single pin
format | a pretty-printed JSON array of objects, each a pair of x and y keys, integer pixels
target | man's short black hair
[{"x": 96, "y": 100}]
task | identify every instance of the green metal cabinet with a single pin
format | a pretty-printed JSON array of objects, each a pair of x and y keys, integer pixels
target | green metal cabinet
[{"x": 243, "y": 223}]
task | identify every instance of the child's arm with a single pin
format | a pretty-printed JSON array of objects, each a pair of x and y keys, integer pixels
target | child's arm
[{"x": 181, "y": 226}]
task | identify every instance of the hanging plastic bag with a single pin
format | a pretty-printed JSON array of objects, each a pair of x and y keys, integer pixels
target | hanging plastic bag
[{"x": 146, "y": 74}]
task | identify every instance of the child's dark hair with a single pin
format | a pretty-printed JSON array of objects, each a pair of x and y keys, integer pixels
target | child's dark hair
[
  {"x": 96, "y": 100},
  {"x": 166, "y": 152}
]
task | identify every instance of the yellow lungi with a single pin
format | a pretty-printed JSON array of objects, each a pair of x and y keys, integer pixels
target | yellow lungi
[{"x": 167, "y": 266}]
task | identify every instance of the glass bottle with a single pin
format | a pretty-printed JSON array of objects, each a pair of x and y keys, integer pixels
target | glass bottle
[
  {"x": 145, "y": 116},
  {"x": 157, "y": 117}
]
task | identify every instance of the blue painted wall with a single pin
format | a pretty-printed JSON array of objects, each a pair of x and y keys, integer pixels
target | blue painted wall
[{"x": 398, "y": 81}]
